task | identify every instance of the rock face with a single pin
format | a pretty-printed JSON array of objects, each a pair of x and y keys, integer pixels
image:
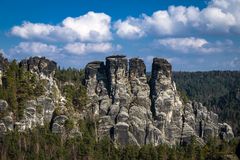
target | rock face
[
  {"x": 3, "y": 62},
  {"x": 6, "y": 120},
  {"x": 126, "y": 106},
  {"x": 3, "y": 67},
  {"x": 39, "y": 65},
  {"x": 49, "y": 108},
  {"x": 129, "y": 109}
]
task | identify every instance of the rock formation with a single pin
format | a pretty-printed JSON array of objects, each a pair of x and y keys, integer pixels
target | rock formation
[
  {"x": 3, "y": 66},
  {"x": 126, "y": 106},
  {"x": 129, "y": 109},
  {"x": 49, "y": 108},
  {"x": 39, "y": 65}
]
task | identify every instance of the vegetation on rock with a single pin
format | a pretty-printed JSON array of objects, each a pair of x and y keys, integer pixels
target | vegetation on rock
[
  {"x": 40, "y": 143},
  {"x": 219, "y": 90},
  {"x": 71, "y": 84},
  {"x": 19, "y": 86}
]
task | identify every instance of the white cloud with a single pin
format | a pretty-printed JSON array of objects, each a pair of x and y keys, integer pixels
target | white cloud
[
  {"x": 160, "y": 22},
  {"x": 187, "y": 45},
  {"x": 93, "y": 27},
  {"x": 175, "y": 43},
  {"x": 30, "y": 30},
  {"x": 220, "y": 16},
  {"x": 77, "y": 48},
  {"x": 173, "y": 21},
  {"x": 216, "y": 20},
  {"x": 84, "y": 48},
  {"x": 35, "y": 48},
  {"x": 128, "y": 29}
]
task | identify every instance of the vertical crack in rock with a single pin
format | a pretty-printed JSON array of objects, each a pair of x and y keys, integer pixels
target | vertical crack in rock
[
  {"x": 122, "y": 103},
  {"x": 139, "y": 112},
  {"x": 133, "y": 111},
  {"x": 124, "y": 106}
]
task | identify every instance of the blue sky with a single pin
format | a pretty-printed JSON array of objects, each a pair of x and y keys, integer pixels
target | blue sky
[{"x": 192, "y": 34}]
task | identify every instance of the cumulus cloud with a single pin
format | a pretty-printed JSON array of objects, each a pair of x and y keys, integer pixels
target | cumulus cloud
[
  {"x": 128, "y": 29},
  {"x": 187, "y": 45},
  {"x": 84, "y": 48},
  {"x": 220, "y": 16},
  {"x": 77, "y": 48},
  {"x": 93, "y": 27},
  {"x": 30, "y": 30},
  {"x": 214, "y": 19},
  {"x": 175, "y": 43},
  {"x": 35, "y": 48},
  {"x": 164, "y": 22}
]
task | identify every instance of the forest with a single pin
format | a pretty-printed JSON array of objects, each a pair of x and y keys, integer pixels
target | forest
[
  {"x": 41, "y": 144},
  {"x": 215, "y": 89}
]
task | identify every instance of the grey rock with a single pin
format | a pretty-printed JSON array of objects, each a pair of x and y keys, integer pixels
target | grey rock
[
  {"x": 20, "y": 126},
  {"x": 3, "y": 128},
  {"x": 58, "y": 124},
  {"x": 8, "y": 121},
  {"x": 39, "y": 65},
  {"x": 3, "y": 63},
  {"x": 121, "y": 133},
  {"x": 128, "y": 109},
  {"x": 225, "y": 131},
  {"x": 45, "y": 106},
  {"x": 3, "y": 105}
]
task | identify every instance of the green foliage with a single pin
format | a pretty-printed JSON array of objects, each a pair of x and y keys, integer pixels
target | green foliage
[
  {"x": 40, "y": 143},
  {"x": 57, "y": 112},
  {"x": 148, "y": 152},
  {"x": 18, "y": 87},
  {"x": 71, "y": 84},
  {"x": 211, "y": 88},
  {"x": 130, "y": 152},
  {"x": 69, "y": 75},
  {"x": 218, "y": 90},
  {"x": 69, "y": 124},
  {"x": 183, "y": 96}
]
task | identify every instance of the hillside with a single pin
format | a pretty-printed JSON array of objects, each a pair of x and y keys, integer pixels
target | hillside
[
  {"x": 109, "y": 110},
  {"x": 219, "y": 90}
]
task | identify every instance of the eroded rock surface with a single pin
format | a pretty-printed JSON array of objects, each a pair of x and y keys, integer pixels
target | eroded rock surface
[
  {"x": 39, "y": 65},
  {"x": 129, "y": 109},
  {"x": 124, "y": 104},
  {"x": 49, "y": 108}
]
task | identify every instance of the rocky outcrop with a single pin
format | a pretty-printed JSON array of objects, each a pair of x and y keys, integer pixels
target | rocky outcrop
[
  {"x": 129, "y": 109},
  {"x": 3, "y": 62},
  {"x": 39, "y": 65},
  {"x": 125, "y": 105},
  {"x": 6, "y": 120},
  {"x": 3, "y": 67},
  {"x": 49, "y": 108}
]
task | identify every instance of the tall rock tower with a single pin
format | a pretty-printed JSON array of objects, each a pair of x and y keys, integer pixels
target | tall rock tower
[{"x": 131, "y": 110}]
